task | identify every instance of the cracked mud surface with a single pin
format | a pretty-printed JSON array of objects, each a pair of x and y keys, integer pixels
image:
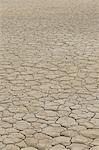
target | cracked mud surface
[{"x": 49, "y": 75}]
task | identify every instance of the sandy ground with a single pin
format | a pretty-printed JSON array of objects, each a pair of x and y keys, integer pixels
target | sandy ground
[{"x": 49, "y": 75}]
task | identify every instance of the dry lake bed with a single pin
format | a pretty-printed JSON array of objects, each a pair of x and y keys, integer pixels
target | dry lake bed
[{"x": 49, "y": 75}]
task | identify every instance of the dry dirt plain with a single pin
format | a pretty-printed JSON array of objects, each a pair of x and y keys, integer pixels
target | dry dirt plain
[{"x": 49, "y": 75}]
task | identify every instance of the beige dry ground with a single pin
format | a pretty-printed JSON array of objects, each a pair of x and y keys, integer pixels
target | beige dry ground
[{"x": 49, "y": 74}]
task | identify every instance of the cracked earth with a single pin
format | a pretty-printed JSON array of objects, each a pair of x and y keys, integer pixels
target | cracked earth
[{"x": 49, "y": 75}]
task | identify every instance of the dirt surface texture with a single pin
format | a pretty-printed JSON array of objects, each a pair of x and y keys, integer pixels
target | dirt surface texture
[{"x": 49, "y": 74}]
